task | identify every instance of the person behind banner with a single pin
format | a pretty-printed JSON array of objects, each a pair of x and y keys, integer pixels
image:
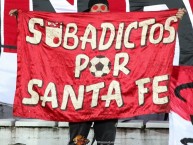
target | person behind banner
[{"x": 104, "y": 131}]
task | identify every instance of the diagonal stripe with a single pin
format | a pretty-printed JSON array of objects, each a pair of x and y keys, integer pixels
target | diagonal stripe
[
  {"x": 127, "y": 5},
  {"x": 191, "y": 4},
  {"x": 1, "y": 24},
  {"x": 10, "y": 23},
  {"x": 121, "y": 7},
  {"x": 82, "y": 5},
  {"x": 71, "y": 2},
  {"x": 43, "y": 5},
  {"x": 64, "y": 6},
  {"x": 189, "y": 8}
]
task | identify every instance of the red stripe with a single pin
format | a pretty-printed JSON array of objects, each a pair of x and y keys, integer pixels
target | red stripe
[
  {"x": 182, "y": 75},
  {"x": 10, "y": 24},
  {"x": 119, "y": 6},
  {"x": 71, "y": 2},
  {"x": 191, "y": 4}
]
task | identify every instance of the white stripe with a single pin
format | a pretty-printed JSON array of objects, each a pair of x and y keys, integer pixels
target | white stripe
[
  {"x": 31, "y": 5},
  {"x": 8, "y": 73},
  {"x": 2, "y": 23},
  {"x": 8, "y": 67},
  {"x": 159, "y": 7},
  {"x": 176, "y": 60},
  {"x": 64, "y": 6},
  {"x": 177, "y": 46},
  {"x": 188, "y": 8},
  {"x": 179, "y": 128},
  {"x": 127, "y": 6}
]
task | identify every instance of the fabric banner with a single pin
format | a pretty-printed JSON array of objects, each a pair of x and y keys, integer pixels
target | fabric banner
[
  {"x": 181, "y": 116},
  {"x": 182, "y": 91},
  {"x": 183, "y": 50},
  {"x": 74, "y": 68}
]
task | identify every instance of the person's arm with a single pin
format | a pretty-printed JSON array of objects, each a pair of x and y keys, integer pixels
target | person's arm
[{"x": 180, "y": 13}]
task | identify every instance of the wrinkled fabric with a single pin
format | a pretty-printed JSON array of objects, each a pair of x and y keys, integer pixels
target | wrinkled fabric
[
  {"x": 50, "y": 75},
  {"x": 181, "y": 87}
]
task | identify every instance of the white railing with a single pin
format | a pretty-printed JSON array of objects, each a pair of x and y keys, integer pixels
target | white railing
[{"x": 38, "y": 132}]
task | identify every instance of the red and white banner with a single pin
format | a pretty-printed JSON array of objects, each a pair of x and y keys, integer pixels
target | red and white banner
[
  {"x": 8, "y": 30},
  {"x": 181, "y": 116},
  {"x": 74, "y": 68}
]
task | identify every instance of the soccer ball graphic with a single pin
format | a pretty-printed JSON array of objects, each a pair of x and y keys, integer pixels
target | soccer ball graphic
[{"x": 100, "y": 66}]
